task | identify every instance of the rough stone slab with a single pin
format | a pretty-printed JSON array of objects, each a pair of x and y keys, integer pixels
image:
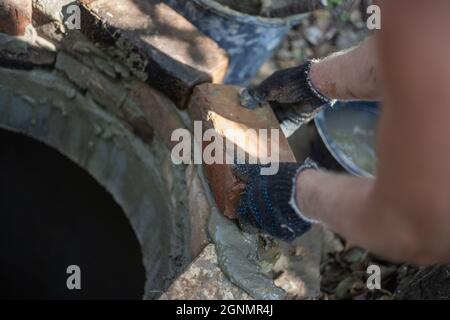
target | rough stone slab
[
  {"x": 157, "y": 43},
  {"x": 299, "y": 265},
  {"x": 15, "y": 16},
  {"x": 204, "y": 280},
  {"x": 50, "y": 10},
  {"x": 219, "y": 107}
]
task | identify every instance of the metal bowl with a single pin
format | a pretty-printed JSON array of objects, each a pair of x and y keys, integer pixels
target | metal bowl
[{"x": 348, "y": 130}]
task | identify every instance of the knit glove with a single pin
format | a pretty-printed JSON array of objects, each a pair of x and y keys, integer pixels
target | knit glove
[
  {"x": 291, "y": 95},
  {"x": 269, "y": 202}
]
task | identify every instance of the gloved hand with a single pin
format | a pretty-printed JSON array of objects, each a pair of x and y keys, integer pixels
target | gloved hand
[
  {"x": 268, "y": 202},
  {"x": 291, "y": 95}
]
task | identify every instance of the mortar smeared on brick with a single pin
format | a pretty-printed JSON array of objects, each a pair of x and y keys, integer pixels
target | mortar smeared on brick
[{"x": 237, "y": 254}]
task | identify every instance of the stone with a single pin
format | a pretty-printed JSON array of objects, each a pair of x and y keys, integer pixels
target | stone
[
  {"x": 203, "y": 280},
  {"x": 314, "y": 35},
  {"x": 15, "y": 16},
  {"x": 219, "y": 107},
  {"x": 27, "y": 51},
  {"x": 157, "y": 43},
  {"x": 48, "y": 18}
]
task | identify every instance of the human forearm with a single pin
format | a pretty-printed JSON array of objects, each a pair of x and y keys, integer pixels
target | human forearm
[
  {"x": 349, "y": 75},
  {"x": 351, "y": 207}
]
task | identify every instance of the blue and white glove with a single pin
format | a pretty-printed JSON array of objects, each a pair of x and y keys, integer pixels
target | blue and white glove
[
  {"x": 269, "y": 202},
  {"x": 292, "y": 96}
]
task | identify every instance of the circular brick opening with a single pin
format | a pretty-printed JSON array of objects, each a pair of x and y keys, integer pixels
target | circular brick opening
[{"x": 53, "y": 215}]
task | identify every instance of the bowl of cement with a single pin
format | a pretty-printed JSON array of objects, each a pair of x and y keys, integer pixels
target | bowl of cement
[{"x": 348, "y": 130}]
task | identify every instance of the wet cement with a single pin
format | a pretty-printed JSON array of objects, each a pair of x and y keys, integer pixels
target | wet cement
[{"x": 237, "y": 255}]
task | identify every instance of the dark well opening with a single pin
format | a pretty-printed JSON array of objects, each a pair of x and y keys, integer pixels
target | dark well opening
[{"x": 53, "y": 214}]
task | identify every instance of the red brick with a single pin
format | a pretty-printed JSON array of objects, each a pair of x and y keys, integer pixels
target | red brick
[
  {"x": 15, "y": 15},
  {"x": 158, "y": 110},
  {"x": 160, "y": 45},
  {"x": 219, "y": 108}
]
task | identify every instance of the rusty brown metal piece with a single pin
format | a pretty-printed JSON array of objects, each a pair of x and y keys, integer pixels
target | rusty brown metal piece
[{"x": 15, "y": 16}]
